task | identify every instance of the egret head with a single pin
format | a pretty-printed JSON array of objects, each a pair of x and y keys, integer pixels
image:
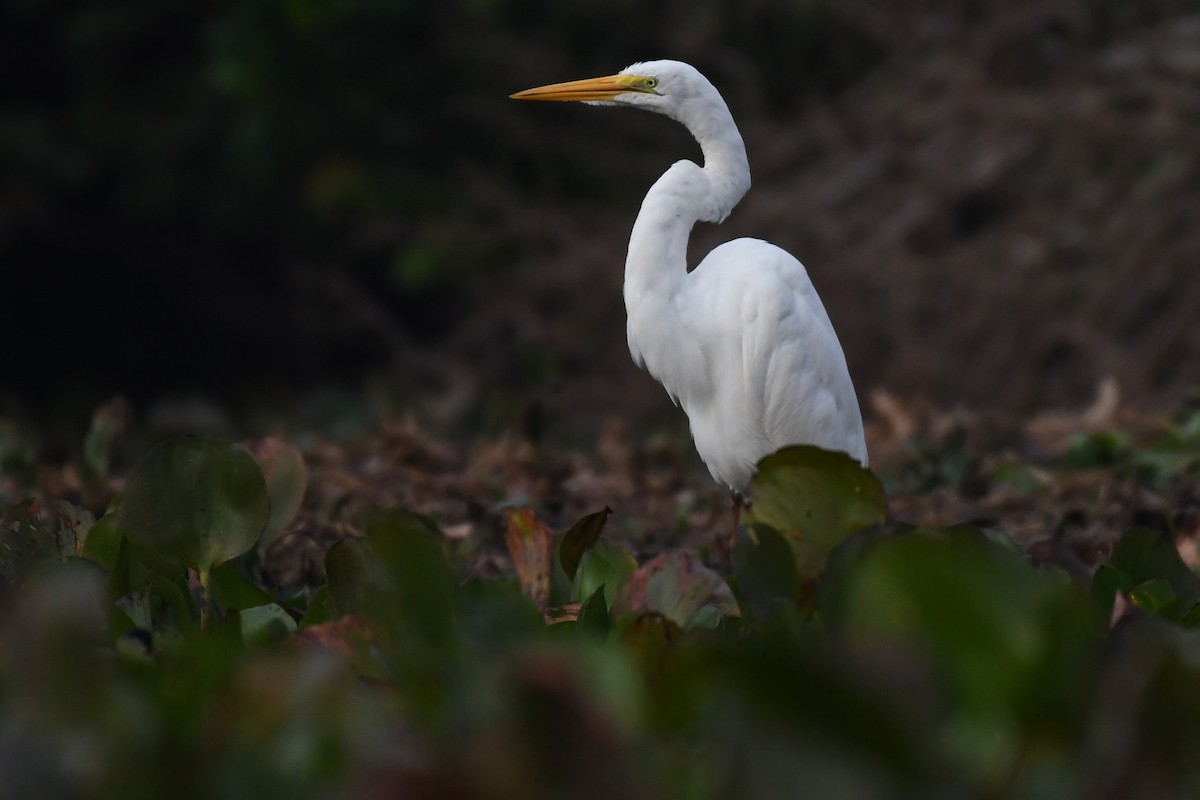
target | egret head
[
  {"x": 667, "y": 87},
  {"x": 679, "y": 91}
]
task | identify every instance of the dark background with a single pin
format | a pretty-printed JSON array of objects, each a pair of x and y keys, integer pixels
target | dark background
[{"x": 250, "y": 201}]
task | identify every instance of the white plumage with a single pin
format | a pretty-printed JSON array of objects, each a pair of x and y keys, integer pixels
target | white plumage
[{"x": 742, "y": 342}]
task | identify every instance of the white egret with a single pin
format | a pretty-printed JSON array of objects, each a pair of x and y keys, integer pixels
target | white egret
[{"x": 741, "y": 342}]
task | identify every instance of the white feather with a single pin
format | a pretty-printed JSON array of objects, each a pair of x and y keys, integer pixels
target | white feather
[{"x": 742, "y": 342}]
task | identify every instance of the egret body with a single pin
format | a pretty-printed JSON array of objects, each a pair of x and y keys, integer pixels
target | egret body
[{"x": 741, "y": 342}]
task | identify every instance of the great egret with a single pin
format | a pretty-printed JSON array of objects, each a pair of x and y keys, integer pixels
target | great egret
[{"x": 742, "y": 342}]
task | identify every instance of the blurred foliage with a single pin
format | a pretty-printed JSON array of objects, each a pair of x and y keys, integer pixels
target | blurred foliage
[
  {"x": 1171, "y": 454},
  {"x": 949, "y": 462},
  {"x": 920, "y": 663}
]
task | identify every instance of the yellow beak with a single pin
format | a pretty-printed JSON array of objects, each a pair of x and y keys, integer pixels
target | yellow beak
[{"x": 605, "y": 88}]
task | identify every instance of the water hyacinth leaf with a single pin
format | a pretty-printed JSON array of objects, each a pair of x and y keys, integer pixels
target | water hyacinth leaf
[
  {"x": 1154, "y": 596},
  {"x": 129, "y": 573},
  {"x": 531, "y": 546},
  {"x": 496, "y": 613},
  {"x": 675, "y": 585},
  {"x": 579, "y": 539},
  {"x": 345, "y": 568},
  {"x": 407, "y": 586},
  {"x": 764, "y": 570},
  {"x": 286, "y": 475},
  {"x": 318, "y": 611},
  {"x": 267, "y": 623},
  {"x": 1191, "y": 618},
  {"x": 1144, "y": 555},
  {"x": 407, "y": 593},
  {"x": 816, "y": 499},
  {"x": 233, "y": 591},
  {"x": 103, "y": 541},
  {"x": 786, "y": 627},
  {"x": 705, "y": 618},
  {"x": 195, "y": 500},
  {"x": 1010, "y": 642},
  {"x": 605, "y": 566},
  {"x": 1098, "y": 449},
  {"x": 650, "y": 636},
  {"x": 593, "y": 615},
  {"x": 1162, "y": 463},
  {"x": 177, "y": 600}
]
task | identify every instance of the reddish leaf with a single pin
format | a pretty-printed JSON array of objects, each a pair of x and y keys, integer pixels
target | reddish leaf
[
  {"x": 675, "y": 585},
  {"x": 531, "y": 545},
  {"x": 341, "y": 637}
]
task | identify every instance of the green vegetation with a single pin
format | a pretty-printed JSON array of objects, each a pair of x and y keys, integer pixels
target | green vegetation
[{"x": 841, "y": 657}]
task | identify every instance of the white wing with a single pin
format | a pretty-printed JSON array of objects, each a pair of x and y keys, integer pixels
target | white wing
[{"x": 773, "y": 358}]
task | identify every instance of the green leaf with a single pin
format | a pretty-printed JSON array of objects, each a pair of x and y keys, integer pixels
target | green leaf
[
  {"x": 1144, "y": 555},
  {"x": 1098, "y": 449},
  {"x": 345, "y": 576},
  {"x": 705, "y": 618},
  {"x": 177, "y": 600},
  {"x": 407, "y": 594},
  {"x": 233, "y": 591},
  {"x": 1153, "y": 596},
  {"x": 195, "y": 500},
  {"x": 497, "y": 613},
  {"x": 1008, "y": 642},
  {"x": 816, "y": 499},
  {"x": 397, "y": 578},
  {"x": 103, "y": 541},
  {"x": 1191, "y": 618},
  {"x": 1162, "y": 463},
  {"x": 606, "y": 566},
  {"x": 319, "y": 611},
  {"x": 651, "y": 636},
  {"x": 268, "y": 623},
  {"x": 286, "y": 476},
  {"x": 764, "y": 570},
  {"x": 785, "y": 627},
  {"x": 318, "y": 608},
  {"x": 581, "y": 538},
  {"x": 131, "y": 572},
  {"x": 593, "y": 615}
]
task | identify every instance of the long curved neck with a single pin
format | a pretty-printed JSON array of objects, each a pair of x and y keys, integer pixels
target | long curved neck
[{"x": 656, "y": 264}]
